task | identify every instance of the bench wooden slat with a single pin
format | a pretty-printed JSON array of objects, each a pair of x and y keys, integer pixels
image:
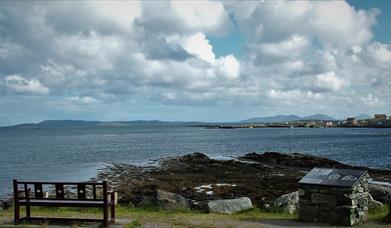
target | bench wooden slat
[
  {"x": 55, "y": 182},
  {"x": 61, "y": 203},
  {"x": 94, "y": 191}
]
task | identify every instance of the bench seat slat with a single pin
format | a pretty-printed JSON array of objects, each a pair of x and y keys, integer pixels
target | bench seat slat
[{"x": 59, "y": 203}]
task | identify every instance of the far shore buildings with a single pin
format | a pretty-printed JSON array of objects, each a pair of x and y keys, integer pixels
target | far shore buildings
[
  {"x": 351, "y": 121},
  {"x": 380, "y": 117}
]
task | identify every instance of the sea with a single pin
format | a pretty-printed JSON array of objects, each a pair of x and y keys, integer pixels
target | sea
[{"x": 76, "y": 154}]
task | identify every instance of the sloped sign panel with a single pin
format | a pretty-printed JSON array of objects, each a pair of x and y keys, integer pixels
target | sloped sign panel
[{"x": 346, "y": 178}]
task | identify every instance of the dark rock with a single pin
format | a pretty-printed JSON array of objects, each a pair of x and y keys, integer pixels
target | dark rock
[
  {"x": 138, "y": 195},
  {"x": 6, "y": 203},
  {"x": 294, "y": 160},
  {"x": 380, "y": 193},
  {"x": 171, "y": 201},
  {"x": 261, "y": 177},
  {"x": 195, "y": 158},
  {"x": 150, "y": 196},
  {"x": 200, "y": 206}
]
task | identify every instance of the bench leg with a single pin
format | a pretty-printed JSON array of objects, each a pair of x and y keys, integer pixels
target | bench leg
[
  {"x": 16, "y": 214},
  {"x": 28, "y": 211},
  {"x": 105, "y": 216},
  {"x": 113, "y": 213}
]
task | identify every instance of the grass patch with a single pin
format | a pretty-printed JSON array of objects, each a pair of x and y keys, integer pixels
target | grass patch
[
  {"x": 140, "y": 216},
  {"x": 154, "y": 215},
  {"x": 379, "y": 214}
]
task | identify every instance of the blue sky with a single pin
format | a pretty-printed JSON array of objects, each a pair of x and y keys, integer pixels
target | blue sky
[
  {"x": 193, "y": 60},
  {"x": 381, "y": 28}
]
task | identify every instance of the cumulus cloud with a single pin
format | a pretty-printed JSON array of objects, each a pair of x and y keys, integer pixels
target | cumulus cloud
[
  {"x": 380, "y": 54},
  {"x": 372, "y": 101},
  {"x": 335, "y": 23},
  {"x": 290, "y": 48},
  {"x": 158, "y": 54},
  {"x": 19, "y": 84},
  {"x": 83, "y": 100},
  {"x": 293, "y": 95},
  {"x": 330, "y": 81},
  {"x": 199, "y": 46}
]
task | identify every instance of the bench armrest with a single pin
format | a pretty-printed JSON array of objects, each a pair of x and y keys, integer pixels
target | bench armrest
[{"x": 113, "y": 196}]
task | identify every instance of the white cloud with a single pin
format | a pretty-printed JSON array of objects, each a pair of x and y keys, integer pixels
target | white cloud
[
  {"x": 228, "y": 67},
  {"x": 55, "y": 74},
  {"x": 83, "y": 100},
  {"x": 293, "y": 95},
  {"x": 339, "y": 24},
  {"x": 92, "y": 49},
  {"x": 9, "y": 49},
  {"x": 199, "y": 46},
  {"x": 19, "y": 84},
  {"x": 122, "y": 12},
  {"x": 334, "y": 23},
  {"x": 161, "y": 53},
  {"x": 292, "y": 47},
  {"x": 330, "y": 81},
  {"x": 185, "y": 17},
  {"x": 380, "y": 54},
  {"x": 372, "y": 101},
  {"x": 207, "y": 16}
]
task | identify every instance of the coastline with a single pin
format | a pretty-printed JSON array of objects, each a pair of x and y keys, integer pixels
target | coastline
[{"x": 261, "y": 177}]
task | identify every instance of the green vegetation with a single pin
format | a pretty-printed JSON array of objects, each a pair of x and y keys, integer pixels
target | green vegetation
[
  {"x": 379, "y": 214},
  {"x": 136, "y": 217}
]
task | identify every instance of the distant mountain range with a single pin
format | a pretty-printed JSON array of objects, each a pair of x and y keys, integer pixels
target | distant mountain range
[
  {"x": 363, "y": 117},
  {"x": 285, "y": 118},
  {"x": 84, "y": 123}
]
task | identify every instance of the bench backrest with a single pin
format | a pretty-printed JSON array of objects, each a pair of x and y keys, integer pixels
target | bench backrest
[{"x": 60, "y": 190}]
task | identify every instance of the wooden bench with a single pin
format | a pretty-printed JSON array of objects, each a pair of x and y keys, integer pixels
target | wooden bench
[{"x": 64, "y": 194}]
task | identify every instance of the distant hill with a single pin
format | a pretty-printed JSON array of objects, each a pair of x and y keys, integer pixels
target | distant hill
[
  {"x": 363, "y": 117},
  {"x": 285, "y": 118},
  {"x": 318, "y": 117},
  {"x": 270, "y": 119},
  {"x": 84, "y": 123},
  {"x": 66, "y": 123}
]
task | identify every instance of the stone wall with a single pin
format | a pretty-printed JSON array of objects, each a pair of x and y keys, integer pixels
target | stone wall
[{"x": 334, "y": 205}]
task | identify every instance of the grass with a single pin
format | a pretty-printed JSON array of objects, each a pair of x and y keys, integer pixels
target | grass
[
  {"x": 140, "y": 216},
  {"x": 379, "y": 214}
]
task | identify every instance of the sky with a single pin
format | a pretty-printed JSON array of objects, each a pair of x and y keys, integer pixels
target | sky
[{"x": 200, "y": 60}]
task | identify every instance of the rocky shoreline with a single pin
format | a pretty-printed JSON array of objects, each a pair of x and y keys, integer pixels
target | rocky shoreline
[
  {"x": 195, "y": 181},
  {"x": 199, "y": 179}
]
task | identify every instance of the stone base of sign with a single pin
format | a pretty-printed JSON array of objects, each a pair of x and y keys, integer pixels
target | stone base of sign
[{"x": 334, "y": 205}]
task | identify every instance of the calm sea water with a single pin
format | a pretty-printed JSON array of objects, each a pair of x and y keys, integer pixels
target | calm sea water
[{"x": 76, "y": 153}]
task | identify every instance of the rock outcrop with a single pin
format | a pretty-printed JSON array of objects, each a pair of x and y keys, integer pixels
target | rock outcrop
[
  {"x": 171, "y": 201},
  {"x": 380, "y": 193},
  {"x": 196, "y": 177},
  {"x": 230, "y": 206},
  {"x": 288, "y": 202},
  {"x": 294, "y": 160}
]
